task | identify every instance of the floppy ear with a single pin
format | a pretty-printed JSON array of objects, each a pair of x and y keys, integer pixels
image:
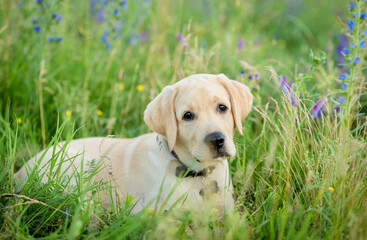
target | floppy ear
[
  {"x": 160, "y": 115},
  {"x": 240, "y": 97}
]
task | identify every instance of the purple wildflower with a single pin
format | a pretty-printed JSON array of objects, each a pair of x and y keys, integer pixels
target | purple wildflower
[
  {"x": 318, "y": 108},
  {"x": 350, "y": 24},
  {"x": 60, "y": 39},
  {"x": 123, "y": 4},
  {"x": 105, "y": 31},
  {"x": 39, "y": 1},
  {"x": 53, "y": 15},
  {"x": 250, "y": 77},
  {"x": 351, "y": 5},
  {"x": 66, "y": 213},
  {"x": 345, "y": 51},
  {"x": 256, "y": 76},
  {"x": 363, "y": 15},
  {"x": 143, "y": 36},
  {"x": 342, "y": 76},
  {"x": 115, "y": 11},
  {"x": 344, "y": 86},
  {"x": 337, "y": 109},
  {"x": 357, "y": 60},
  {"x": 118, "y": 24},
  {"x": 242, "y": 72},
  {"x": 58, "y": 19},
  {"x": 181, "y": 40},
  {"x": 362, "y": 44},
  {"x": 341, "y": 99},
  {"x": 240, "y": 43},
  {"x": 343, "y": 44},
  {"x": 107, "y": 46},
  {"x": 37, "y": 28},
  {"x": 100, "y": 16},
  {"x": 104, "y": 38},
  {"x": 51, "y": 39},
  {"x": 287, "y": 89}
]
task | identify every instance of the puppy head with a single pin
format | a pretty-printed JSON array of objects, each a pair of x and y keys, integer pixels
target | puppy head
[{"x": 197, "y": 115}]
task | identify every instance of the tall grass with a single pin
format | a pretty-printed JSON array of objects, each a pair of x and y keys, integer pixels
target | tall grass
[{"x": 286, "y": 174}]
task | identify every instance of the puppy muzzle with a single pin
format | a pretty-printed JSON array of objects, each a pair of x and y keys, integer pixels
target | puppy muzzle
[{"x": 216, "y": 142}]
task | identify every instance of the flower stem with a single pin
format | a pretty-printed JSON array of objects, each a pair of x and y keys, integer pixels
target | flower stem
[{"x": 348, "y": 117}]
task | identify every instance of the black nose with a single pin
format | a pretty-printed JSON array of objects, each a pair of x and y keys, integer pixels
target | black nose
[{"x": 215, "y": 139}]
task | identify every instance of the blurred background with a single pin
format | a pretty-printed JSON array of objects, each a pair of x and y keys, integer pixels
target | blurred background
[
  {"x": 99, "y": 62},
  {"x": 89, "y": 68}
]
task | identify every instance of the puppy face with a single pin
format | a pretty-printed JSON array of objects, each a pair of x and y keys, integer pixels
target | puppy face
[
  {"x": 198, "y": 115},
  {"x": 205, "y": 121}
]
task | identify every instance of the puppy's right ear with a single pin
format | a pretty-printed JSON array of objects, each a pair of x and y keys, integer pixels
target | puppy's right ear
[{"x": 160, "y": 115}]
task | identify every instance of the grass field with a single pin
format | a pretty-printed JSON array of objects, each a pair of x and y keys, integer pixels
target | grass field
[{"x": 73, "y": 69}]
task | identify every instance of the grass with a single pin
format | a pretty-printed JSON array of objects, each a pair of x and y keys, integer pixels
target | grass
[{"x": 295, "y": 177}]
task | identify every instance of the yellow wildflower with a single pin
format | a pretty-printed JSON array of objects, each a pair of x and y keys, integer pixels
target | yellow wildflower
[
  {"x": 121, "y": 87},
  {"x": 99, "y": 112},
  {"x": 331, "y": 189},
  {"x": 99, "y": 204},
  {"x": 68, "y": 114},
  {"x": 140, "y": 87},
  {"x": 19, "y": 120},
  {"x": 150, "y": 211}
]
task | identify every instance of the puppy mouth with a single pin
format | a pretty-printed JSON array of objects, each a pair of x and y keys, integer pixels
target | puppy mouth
[
  {"x": 212, "y": 155},
  {"x": 219, "y": 152},
  {"x": 217, "y": 155},
  {"x": 223, "y": 154}
]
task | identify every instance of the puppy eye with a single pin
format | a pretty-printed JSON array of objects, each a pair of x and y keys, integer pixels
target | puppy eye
[
  {"x": 222, "y": 108},
  {"x": 188, "y": 116}
]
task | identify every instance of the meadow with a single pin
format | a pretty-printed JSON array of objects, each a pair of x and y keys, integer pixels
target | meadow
[{"x": 73, "y": 69}]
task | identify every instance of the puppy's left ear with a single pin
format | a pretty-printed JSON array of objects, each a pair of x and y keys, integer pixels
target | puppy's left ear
[
  {"x": 240, "y": 97},
  {"x": 160, "y": 115}
]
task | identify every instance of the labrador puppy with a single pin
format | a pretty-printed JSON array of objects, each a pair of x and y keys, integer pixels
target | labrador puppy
[{"x": 183, "y": 162}]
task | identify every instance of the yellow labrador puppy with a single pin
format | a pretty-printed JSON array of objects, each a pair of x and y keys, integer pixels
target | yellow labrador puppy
[{"x": 184, "y": 160}]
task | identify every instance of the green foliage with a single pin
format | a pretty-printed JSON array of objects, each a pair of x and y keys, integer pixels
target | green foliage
[{"x": 288, "y": 173}]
